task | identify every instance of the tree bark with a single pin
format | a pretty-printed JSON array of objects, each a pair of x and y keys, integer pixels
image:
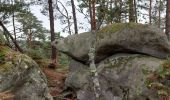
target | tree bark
[
  {"x": 135, "y": 9},
  {"x": 94, "y": 14},
  {"x": 30, "y": 38},
  {"x": 159, "y": 15},
  {"x": 90, "y": 12},
  {"x": 150, "y": 12},
  {"x": 111, "y": 7},
  {"x": 131, "y": 11},
  {"x": 168, "y": 19},
  {"x": 120, "y": 10},
  {"x": 13, "y": 22},
  {"x": 74, "y": 17},
  {"x": 54, "y": 51}
]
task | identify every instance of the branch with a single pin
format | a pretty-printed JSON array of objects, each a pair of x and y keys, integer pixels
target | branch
[
  {"x": 67, "y": 17},
  {"x": 86, "y": 16},
  {"x": 13, "y": 40}
]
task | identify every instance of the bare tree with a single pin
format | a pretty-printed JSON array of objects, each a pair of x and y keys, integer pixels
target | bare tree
[{"x": 66, "y": 16}]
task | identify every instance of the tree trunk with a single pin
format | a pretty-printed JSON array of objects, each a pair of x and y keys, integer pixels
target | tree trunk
[
  {"x": 30, "y": 38},
  {"x": 13, "y": 22},
  {"x": 131, "y": 11},
  {"x": 111, "y": 7},
  {"x": 116, "y": 13},
  {"x": 159, "y": 15},
  {"x": 93, "y": 14},
  {"x": 135, "y": 9},
  {"x": 54, "y": 52},
  {"x": 120, "y": 10},
  {"x": 74, "y": 17},
  {"x": 150, "y": 12},
  {"x": 168, "y": 19},
  {"x": 90, "y": 12}
]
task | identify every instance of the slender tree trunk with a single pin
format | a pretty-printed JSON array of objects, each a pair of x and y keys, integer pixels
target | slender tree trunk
[
  {"x": 13, "y": 22},
  {"x": 150, "y": 12},
  {"x": 91, "y": 16},
  {"x": 168, "y": 19},
  {"x": 116, "y": 13},
  {"x": 111, "y": 7},
  {"x": 54, "y": 53},
  {"x": 120, "y": 10},
  {"x": 30, "y": 39},
  {"x": 159, "y": 15},
  {"x": 74, "y": 17},
  {"x": 13, "y": 40},
  {"x": 94, "y": 14},
  {"x": 135, "y": 9},
  {"x": 131, "y": 11}
]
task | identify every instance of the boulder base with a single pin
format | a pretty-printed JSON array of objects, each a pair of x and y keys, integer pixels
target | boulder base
[
  {"x": 121, "y": 76},
  {"x": 22, "y": 76}
]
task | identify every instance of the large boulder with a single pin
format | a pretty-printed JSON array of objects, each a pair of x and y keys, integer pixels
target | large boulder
[
  {"x": 123, "y": 77},
  {"x": 122, "y": 38},
  {"x": 20, "y": 75}
]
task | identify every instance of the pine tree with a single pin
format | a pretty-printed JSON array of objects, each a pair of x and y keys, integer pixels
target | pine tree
[{"x": 53, "y": 52}]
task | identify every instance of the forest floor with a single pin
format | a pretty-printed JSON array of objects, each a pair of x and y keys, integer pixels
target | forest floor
[{"x": 56, "y": 80}]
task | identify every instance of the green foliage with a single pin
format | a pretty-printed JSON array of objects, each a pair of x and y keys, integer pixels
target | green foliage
[
  {"x": 36, "y": 53},
  {"x": 63, "y": 60},
  {"x": 7, "y": 8},
  {"x": 110, "y": 29},
  {"x": 31, "y": 26}
]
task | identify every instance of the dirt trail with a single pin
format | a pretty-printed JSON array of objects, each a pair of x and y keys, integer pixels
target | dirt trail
[{"x": 56, "y": 81}]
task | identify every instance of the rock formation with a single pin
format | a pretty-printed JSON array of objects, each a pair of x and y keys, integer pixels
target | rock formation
[
  {"x": 21, "y": 76},
  {"x": 117, "y": 38},
  {"x": 131, "y": 61}
]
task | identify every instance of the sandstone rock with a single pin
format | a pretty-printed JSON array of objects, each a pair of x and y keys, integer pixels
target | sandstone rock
[
  {"x": 22, "y": 76},
  {"x": 117, "y": 38},
  {"x": 121, "y": 76}
]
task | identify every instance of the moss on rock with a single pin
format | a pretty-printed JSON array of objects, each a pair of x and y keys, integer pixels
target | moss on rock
[
  {"x": 10, "y": 59},
  {"x": 110, "y": 29}
]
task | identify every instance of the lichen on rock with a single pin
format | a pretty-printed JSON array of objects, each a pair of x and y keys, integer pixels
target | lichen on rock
[
  {"x": 159, "y": 80},
  {"x": 22, "y": 76}
]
